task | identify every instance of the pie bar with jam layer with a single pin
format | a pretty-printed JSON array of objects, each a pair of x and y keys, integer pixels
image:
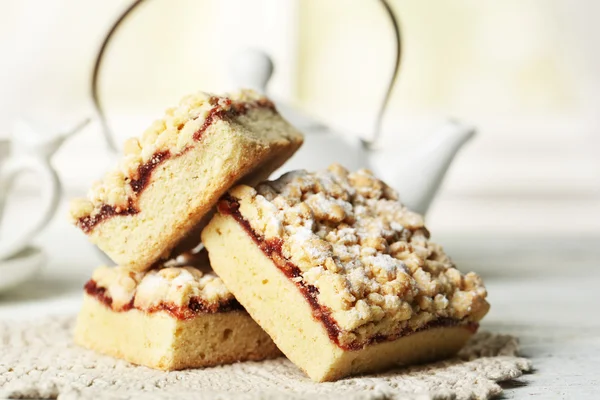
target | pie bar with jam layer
[
  {"x": 168, "y": 318},
  {"x": 341, "y": 275},
  {"x": 172, "y": 176}
]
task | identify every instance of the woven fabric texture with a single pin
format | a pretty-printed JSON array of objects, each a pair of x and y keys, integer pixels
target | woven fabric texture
[{"x": 39, "y": 360}]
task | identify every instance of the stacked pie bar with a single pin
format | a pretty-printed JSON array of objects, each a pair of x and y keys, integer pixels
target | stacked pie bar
[
  {"x": 168, "y": 318},
  {"x": 162, "y": 191},
  {"x": 340, "y": 274},
  {"x": 171, "y": 177},
  {"x": 328, "y": 267}
]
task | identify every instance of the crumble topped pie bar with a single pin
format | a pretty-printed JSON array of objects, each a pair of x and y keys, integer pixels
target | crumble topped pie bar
[
  {"x": 168, "y": 318},
  {"x": 340, "y": 274},
  {"x": 172, "y": 176}
]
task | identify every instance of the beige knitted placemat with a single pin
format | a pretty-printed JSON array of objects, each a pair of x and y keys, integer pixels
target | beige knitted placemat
[{"x": 39, "y": 360}]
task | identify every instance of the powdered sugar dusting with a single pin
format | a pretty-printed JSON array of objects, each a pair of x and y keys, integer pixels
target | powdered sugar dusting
[
  {"x": 173, "y": 285},
  {"x": 369, "y": 257}
]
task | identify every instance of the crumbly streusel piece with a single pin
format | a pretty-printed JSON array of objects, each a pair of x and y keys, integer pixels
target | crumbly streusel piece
[
  {"x": 168, "y": 318},
  {"x": 356, "y": 269},
  {"x": 170, "y": 177}
]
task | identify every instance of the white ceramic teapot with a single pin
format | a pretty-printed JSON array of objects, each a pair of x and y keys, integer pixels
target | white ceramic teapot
[{"x": 416, "y": 175}]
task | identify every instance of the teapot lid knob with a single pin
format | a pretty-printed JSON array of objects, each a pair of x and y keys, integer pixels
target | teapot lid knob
[{"x": 251, "y": 68}]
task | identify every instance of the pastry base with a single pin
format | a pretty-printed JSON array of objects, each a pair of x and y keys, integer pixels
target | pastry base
[
  {"x": 158, "y": 340},
  {"x": 184, "y": 188},
  {"x": 277, "y": 305}
]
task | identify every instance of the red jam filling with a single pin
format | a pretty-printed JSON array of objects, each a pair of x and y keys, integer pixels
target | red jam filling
[{"x": 195, "y": 306}]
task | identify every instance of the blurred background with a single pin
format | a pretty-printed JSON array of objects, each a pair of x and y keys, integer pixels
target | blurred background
[{"x": 525, "y": 73}]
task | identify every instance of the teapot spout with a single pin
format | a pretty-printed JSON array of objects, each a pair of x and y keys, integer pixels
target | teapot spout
[{"x": 418, "y": 177}]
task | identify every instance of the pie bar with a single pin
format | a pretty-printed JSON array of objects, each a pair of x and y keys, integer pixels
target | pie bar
[
  {"x": 340, "y": 274},
  {"x": 172, "y": 176},
  {"x": 168, "y": 318}
]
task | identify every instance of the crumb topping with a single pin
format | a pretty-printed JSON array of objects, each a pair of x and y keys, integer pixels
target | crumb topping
[
  {"x": 166, "y": 137},
  {"x": 175, "y": 286},
  {"x": 368, "y": 256}
]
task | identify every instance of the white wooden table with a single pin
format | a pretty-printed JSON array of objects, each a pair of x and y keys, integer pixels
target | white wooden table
[{"x": 545, "y": 290}]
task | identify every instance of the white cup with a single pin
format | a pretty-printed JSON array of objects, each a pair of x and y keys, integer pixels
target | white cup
[
  {"x": 32, "y": 156},
  {"x": 49, "y": 185}
]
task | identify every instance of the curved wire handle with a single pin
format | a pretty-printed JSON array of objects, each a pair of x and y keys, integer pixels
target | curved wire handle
[
  {"x": 96, "y": 74},
  {"x": 388, "y": 93},
  {"x": 100, "y": 56}
]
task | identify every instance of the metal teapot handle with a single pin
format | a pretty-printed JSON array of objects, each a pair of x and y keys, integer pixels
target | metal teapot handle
[
  {"x": 388, "y": 93},
  {"x": 110, "y": 142},
  {"x": 111, "y": 32}
]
